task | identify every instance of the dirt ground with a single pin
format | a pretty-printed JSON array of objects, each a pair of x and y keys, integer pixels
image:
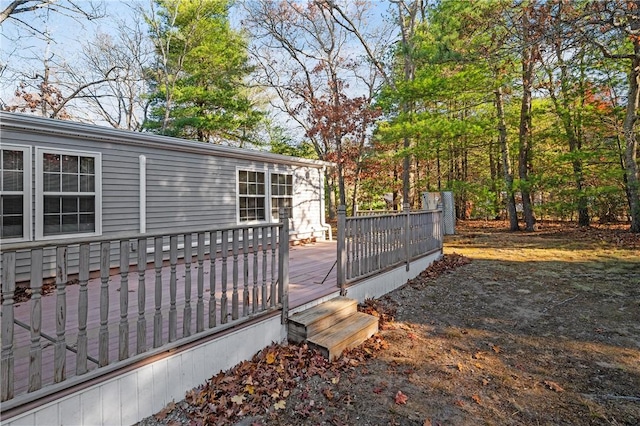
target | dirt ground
[{"x": 508, "y": 329}]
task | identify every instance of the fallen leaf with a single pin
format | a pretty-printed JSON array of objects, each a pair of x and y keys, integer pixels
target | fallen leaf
[
  {"x": 495, "y": 348},
  {"x": 427, "y": 422},
  {"x": 271, "y": 358},
  {"x": 165, "y": 411},
  {"x": 280, "y": 405},
  {"x": 485, "y": 382},
  {"x": 459, "y": 402},
  {"x": 401, "y": 398},
  {"x": 553, "y": 386},
  {"x": 335, "y": 380},
  {"x": 476, "y": 398},
  {"x": 238, "y": 399},
  {"x": 328, "y": 394}
]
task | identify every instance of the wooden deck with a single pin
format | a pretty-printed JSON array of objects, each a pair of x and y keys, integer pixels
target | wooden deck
[{"x": 312, "y": 275}]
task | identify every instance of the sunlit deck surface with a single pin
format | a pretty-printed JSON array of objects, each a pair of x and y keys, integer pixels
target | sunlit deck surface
[{"x": 312, "y": 275}]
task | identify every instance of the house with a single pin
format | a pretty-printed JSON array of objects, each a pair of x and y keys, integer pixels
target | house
[
  {"x": 179, "y": 263},
  {"x": 64, "y": 179}
]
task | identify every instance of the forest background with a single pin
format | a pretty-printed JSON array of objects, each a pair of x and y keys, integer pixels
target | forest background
[{"x": 525, "y": 110}]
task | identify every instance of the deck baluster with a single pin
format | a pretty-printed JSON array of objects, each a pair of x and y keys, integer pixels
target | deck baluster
[
  {"x": 367, "y": 248},
  {"x": 188, "y": 258},
  {"x": 200, "y": 303},
  {"x": 8, "y": 293},
  {"x": 254, "y": 234},
  {"x": 157, "y": 316},
  {"x": 83, "y": 302},
  {"x": 59, "y": 350},
  {"x": 141, "y": 345},
  {"x": 347, "y": 250},
  {"x": 283, "y": 265},
  {"x": 378, "y": 242},
  {"x": 103, "y": 345},
  {"x": 173, "y": 313},
  {"x": 274, "y": 268},
  {"x": 223, "y": 278},
  {"x": 245, "y": 272},
  {"x": 265, "y": 246},
  {"x": 123, "y": 329},
  {"x": 234, "y": 294},
  {"x": 213, "y": 238},
  {"x": 356, "y": 247}
]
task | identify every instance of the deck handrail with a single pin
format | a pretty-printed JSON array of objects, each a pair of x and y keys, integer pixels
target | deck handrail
[
  {"x": 370, "y": 244},
  {"x": 248, "y": 276},
  {"x": 25, "y": 245}
]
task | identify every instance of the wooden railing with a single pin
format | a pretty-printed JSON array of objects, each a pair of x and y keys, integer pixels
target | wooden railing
[
  {"x": 237, "y": 272},
  {"x": 370, "y": 244},
  {"x": 375, "y": 212}
]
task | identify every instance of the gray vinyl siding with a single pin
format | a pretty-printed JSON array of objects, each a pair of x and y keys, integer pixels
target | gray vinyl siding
[
  {"x": 306, "y": 202},
  {"x": 190, "y": 189}
]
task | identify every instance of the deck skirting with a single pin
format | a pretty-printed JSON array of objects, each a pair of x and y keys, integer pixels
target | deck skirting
[{"x": 132, "y": 396}]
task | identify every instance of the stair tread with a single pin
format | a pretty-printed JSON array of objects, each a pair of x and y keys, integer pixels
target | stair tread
[
  {"x": 344, "y": 330},
  {"x": 323, "y": 310}
]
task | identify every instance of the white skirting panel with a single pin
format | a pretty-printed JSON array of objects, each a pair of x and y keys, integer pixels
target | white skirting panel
[
  {"x": 385, "y": 282},
  {"x": 129, "y": 398}
]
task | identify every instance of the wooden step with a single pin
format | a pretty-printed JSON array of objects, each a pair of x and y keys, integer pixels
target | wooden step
[
  {"x": 346, "y": 334},
  {"x": 312, "y": 321}
]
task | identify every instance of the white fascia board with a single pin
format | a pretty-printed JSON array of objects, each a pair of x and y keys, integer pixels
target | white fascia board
[{"x": 70, "y": 129}]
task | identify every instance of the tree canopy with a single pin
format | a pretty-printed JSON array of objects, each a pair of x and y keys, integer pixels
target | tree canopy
[{"x": 524, "y": 110}]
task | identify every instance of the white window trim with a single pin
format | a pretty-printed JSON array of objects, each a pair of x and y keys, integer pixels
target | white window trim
[
  {"x": 26, "y": 191},
  {"x": 286, "y": 173},
  {"x": 267, "y": 192},
  {"x": 40, "y": 151}
]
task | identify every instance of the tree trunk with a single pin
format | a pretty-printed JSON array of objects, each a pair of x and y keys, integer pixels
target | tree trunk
[
  {"x": 331, "y": 198},
  {"x": 524, "y": 134},
  {"x": 493, "y": 169},
  {"x": 631, "y": 166},
  {"x": 506, "y": 163}
]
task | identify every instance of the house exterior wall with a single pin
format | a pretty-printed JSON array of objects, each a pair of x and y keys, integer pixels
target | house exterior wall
[{"x": 152, "y": 184}]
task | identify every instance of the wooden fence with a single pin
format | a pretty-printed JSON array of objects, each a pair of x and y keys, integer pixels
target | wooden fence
[
  {"x": 247, "y": 272},
  {"x": 370, "y": 244}
]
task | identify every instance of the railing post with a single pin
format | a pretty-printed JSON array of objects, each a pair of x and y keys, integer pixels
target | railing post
[
  {"x": 60, "y": 346},
  {"x": 8, "y": 292},
  {"x": 35, "y": 350},
  {"x": 407, "y": 233},
  {"x": 141, "y": 341},
  {"x": 103, "y": 339},
  {"x": 283, "y": 264},
  {"x": 83, "y": 304},
  {"x": 341, "y": 255},
  {"x": 123, "y": 328}
]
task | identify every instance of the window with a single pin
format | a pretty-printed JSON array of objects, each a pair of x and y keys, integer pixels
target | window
[
  {"x": 15, "y": 192},
  {"x": 281, "y": 194},
  {"x": 251, "y": 196},
  {"x": 68, "y": 188}
]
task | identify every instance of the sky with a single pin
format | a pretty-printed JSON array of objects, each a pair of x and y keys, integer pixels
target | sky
[{"x": 22, "y": 51}]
